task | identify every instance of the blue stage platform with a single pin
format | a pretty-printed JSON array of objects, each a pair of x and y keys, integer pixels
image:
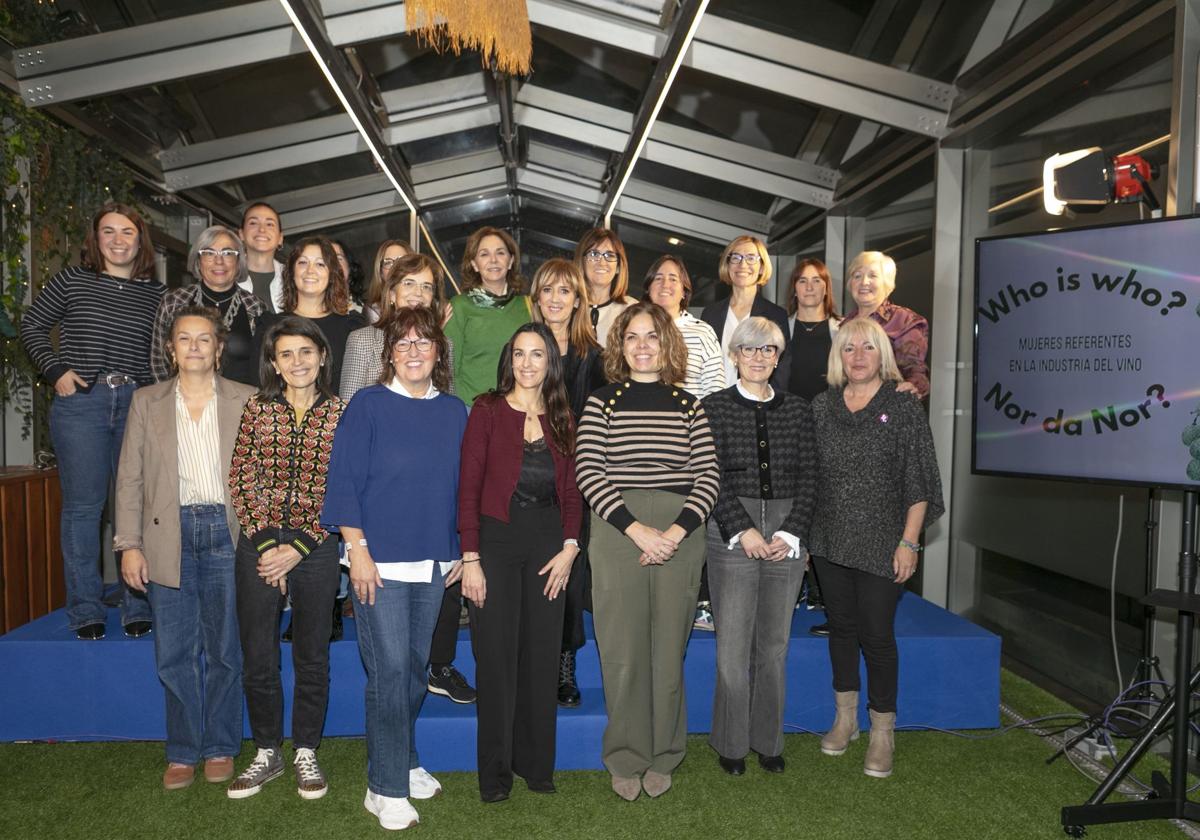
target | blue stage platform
[{"x": 53, "y": 687}]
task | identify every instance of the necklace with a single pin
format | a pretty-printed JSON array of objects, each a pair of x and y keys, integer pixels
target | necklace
[{"x": 809, "y": 326}]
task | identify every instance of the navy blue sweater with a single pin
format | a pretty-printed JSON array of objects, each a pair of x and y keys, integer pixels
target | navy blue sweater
[{"x": 394, "y": 474}]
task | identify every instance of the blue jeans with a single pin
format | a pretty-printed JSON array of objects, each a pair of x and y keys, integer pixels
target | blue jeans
[
  {"x": 199, "y": 620},
  {"x": 87, "y": 429},
  {"x": 393, "y": 639}
]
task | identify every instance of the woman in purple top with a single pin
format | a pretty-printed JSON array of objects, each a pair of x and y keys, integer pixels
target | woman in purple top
[{"x": 872, "y": 279}]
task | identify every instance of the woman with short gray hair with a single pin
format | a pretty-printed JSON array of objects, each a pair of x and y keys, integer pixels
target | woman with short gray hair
[
  {"x": 218, "y": 261},
  {"x": 757, "y": 545}
]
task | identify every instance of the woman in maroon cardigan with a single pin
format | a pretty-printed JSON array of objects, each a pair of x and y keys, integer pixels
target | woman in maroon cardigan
[{"x": 518, "y": 518}]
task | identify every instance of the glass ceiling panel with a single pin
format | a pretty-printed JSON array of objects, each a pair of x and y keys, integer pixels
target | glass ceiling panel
[
  {"x": 307, "y": 175},
  {"x": 589, "y": 70},
  {"x": 827, "y": 23},
  {"x": 726, "y": 108},
  {"x": 702, "y": 186}
]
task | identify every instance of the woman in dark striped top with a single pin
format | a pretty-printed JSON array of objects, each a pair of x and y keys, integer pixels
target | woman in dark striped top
[
  {"x": 646, "y": 465},
  {"x": 104, "y": 311}
]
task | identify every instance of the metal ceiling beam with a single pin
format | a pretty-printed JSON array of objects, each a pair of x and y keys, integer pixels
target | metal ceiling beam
[
  {"x": 350, "y": 188},
  {"x": 300, "y": 143},
  {"x": 693, "y": 151},
  {"x": 679, "y": 38},
  {"x": 208, "y": 42},
  {"x": 629, "y": 208},
  {"x": 505, "y": 87},
  {"x": 821, "y": 76},
  {"x": 384, "y": 201},
  {"x": 1038, "y": 75}
]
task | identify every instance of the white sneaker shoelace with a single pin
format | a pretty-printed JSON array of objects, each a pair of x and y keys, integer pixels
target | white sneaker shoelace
[
  {"x": 262, "y": 760},
  {"x": 307, "y": 769}
]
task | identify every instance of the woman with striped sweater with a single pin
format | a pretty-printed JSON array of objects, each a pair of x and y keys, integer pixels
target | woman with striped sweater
[{"x": 647, "y": 467}]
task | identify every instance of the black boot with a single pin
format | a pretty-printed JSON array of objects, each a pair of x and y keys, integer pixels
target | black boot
[{"x": 568, "y": 691}]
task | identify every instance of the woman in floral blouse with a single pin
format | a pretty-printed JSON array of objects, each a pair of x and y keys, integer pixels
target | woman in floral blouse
[{"x": 277, "y": 484}]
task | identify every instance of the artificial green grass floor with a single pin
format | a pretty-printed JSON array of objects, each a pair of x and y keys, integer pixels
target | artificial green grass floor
[{"x": 944, "y": 787}]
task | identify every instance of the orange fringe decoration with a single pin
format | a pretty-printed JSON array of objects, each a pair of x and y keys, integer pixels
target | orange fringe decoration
[{"x": 497, "y": 29}]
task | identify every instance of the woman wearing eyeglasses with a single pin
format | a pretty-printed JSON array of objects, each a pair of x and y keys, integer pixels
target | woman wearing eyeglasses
[
  {"x": 411, "y": 281},
  {"x": 392, "y": 493},
  {"x": 757, "y": 545},
  {"x": 218, "y": 261},
  {"x": 385, "y": 257},
  {"x": 601, "y": 257},
  {"x": 745, "y": 268}
]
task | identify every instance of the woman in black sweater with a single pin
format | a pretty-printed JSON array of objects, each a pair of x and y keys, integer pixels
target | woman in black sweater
[
  {"x": 559, "y": 300},
  {"x": 757, "y": 540}
]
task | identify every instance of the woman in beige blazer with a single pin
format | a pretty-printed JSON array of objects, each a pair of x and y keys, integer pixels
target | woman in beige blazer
[{"x": 177, "y": 530}]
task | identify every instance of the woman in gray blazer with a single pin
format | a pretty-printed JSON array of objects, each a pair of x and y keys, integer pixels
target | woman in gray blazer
[{"x": 176, "y": 529}]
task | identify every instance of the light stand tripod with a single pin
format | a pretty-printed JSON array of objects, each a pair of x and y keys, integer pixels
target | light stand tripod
[{"x": 1170, "y": 800}]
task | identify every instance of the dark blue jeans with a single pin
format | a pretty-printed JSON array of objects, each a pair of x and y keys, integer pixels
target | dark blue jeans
[
  {"x": 87, "y": 429},
  {"x": 196, "y": 642},
  {"x": 393, "y": 639}
]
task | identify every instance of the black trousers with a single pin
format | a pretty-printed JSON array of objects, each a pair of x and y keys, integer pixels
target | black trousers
[
  {"x": 445, "y": 632},
  {"x": 578, "y": 592},
  {"x": 312, "y": 586},
  {"x": 861, "y": 609},
  {"x": 516, "y": 637}
]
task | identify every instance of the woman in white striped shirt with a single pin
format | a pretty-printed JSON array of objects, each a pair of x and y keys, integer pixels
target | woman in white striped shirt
[
  {"x": 176, "y": 527},
  {"x": 669, "y": 286}
]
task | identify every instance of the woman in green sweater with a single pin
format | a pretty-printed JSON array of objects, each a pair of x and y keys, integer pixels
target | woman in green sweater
[{"x": 488, "y": 312}]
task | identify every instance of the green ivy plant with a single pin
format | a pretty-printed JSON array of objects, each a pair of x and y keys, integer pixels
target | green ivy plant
[{"x": 52, "y": 178}]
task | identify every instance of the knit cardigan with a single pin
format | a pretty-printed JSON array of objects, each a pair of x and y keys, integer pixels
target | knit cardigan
[{"x": 766, "y": 450}]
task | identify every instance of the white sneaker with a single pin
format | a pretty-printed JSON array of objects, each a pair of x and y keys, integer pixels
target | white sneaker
[
  {"x": 421, "y": 785},
  {"x": 394, "y": 812}
]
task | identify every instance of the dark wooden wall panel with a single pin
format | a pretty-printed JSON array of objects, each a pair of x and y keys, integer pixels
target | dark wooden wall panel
[{"x": 31, "y": 573}]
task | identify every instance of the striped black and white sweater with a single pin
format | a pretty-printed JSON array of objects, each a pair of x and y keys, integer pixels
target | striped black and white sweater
[
  {"x": 105, "y": 325},
  {"x": 646, "y": 436}
]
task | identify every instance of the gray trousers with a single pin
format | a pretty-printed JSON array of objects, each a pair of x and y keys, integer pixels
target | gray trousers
[
  {"x": 753, "y": 602},
  {"x": 643, "y": 617}
]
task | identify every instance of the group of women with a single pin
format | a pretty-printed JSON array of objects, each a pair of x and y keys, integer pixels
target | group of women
[{"x": 607, "y": 440}]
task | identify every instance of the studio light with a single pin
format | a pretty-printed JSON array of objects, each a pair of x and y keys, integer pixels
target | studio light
[{"x": 1087, "y": 180}]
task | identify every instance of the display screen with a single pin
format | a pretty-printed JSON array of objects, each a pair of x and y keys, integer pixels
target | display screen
[{"x": 1087, "y": 354}]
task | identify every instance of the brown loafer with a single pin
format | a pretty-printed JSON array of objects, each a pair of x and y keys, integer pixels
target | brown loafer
[
  {"x": 178, "y": 776},
  {"x": 219, "y": 769}
]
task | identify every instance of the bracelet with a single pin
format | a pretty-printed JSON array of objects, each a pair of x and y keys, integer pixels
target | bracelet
[
  {"x": 466, "y": 561},
  {"x": 570, "y": 541},
  {"x": 911, "y": 546}
]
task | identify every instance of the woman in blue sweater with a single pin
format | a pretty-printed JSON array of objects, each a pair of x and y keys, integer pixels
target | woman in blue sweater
[{"x": 391, "y": 492}]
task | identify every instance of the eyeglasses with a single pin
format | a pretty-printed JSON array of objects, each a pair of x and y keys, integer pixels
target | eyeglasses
[
  {"x": 738, "y": 259},
  {"x": 607, "y": 256},
  {"x": 768, "y": 351},
  {"x": 423, "y": 345},
  {"x": 388, "y": 262},
  {"x": 409, "y": 285},
  {"x": 211, "y": 254}
]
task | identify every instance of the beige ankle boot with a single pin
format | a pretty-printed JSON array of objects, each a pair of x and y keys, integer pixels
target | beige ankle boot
[
  {"x": 845, "y": 725},
  {"x": 879, "y": 752}
]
